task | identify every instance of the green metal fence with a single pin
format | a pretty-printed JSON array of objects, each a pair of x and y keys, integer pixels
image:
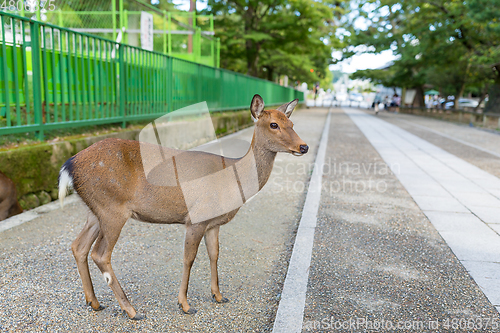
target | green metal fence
[
  {"x": 172, "y": 31},
  {"x": 52, "y": 77},
  {"x": 184, "y": 35}
]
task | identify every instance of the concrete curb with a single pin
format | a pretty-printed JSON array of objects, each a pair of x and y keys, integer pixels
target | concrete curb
[
  {"x": 29, "y": 215},
  {"x": 290, "y": 313}
]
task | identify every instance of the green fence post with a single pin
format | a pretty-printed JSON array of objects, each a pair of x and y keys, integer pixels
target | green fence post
[
  {"x": 200, "y": 86},
  {"x": 122, "y": 70},
  {"x": 122, "y": 18},
  {"x": 170, "y": 84},
  {"x": 212, "y": 41},
  {"x": 169, "y": 17},
  {"x": 60, "y": 17},
  {"x": 37, "y": 84},
  {"x": 218, "y": 52},
  {"x": 113, "y": 18},
  {"x": 165, "y": 32},
  {"x": 5, "y": 74},
  {"x": 198, "y": 45},
  {"x": 125, "y": 25}
]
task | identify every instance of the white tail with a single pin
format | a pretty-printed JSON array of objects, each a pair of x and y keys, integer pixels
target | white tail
[
  {"x": 65, "y": 182},
  {"x": 110, "y": 178}
]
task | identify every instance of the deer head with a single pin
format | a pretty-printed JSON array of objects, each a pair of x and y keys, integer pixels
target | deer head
[{"x": 274, "y": 129}]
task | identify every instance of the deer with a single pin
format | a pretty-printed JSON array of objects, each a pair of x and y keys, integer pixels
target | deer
[
  {"x": 9, "y": 206},
  {"x": 111, "y": 181}
]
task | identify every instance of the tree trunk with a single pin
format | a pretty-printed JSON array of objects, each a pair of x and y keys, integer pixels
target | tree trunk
[
  {"x": 270, "y": 72},
  {"x": 484, "y": 92},
  {"x": 252, "y": 48},
  {"x": 419, "y": 97},
  {"x": 493, "y": 104},
  {"x": 462, "y": 88}
]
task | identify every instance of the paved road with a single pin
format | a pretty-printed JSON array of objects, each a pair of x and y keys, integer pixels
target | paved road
[{"x": 383, "y": 254}]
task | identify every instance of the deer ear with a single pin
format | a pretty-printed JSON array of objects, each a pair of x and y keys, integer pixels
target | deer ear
[
  {"x": 287, "y": 108},
  {"x": 257, "y": 106}
]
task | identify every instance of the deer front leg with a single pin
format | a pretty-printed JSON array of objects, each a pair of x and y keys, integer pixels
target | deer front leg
[
  {"x": 212, "y": 243},
  {"x": 194, "y": 234}
]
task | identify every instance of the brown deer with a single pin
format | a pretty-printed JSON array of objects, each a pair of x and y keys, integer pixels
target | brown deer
[
  {"x": 8, "y": 198},
  {"x": 110, "y": 178}
]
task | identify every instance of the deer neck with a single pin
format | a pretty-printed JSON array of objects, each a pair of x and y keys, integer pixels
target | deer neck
[{"x": 259, "y": 159}]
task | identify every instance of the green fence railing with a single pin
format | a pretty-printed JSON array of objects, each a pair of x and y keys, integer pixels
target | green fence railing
[{"x": 52, "y": 77}]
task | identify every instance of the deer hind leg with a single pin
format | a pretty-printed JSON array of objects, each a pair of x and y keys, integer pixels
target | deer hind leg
[
  {"x": 212, "y": 243},
  {"x": 111, "y": 226},
  {"x": 81, "y": 248},
  {"x": 194, "y": 234}
]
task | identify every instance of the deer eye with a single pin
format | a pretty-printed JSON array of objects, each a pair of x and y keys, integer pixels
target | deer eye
[{"x": 274, "y": 125}]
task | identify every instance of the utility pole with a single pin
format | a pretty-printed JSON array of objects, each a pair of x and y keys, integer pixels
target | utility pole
[{"x": 192, "y": 9}]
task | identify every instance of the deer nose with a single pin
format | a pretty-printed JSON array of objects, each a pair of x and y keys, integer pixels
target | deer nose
[{"x": 304, "y": 149}]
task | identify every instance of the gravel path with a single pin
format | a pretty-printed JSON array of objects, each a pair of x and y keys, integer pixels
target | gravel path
[
  {"x": 40, "y": 289},
  {"x": 376, "y": 257}
]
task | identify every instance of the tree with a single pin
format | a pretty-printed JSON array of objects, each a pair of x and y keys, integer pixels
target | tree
[
  {"x": 447, "y": 44},
  {"x": 267, "y": 38}
]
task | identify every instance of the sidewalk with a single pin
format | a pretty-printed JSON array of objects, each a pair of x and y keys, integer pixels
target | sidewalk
[
  {"x": 377, "y": 259},
  {"x": 478, "y": 147}
]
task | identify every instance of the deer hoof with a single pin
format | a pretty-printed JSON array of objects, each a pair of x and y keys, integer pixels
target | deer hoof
[
  {"x": 138, "y": 317},
  {"x": 188, "y": 312},
  {"x": 223, "y": 300},
  {"x": 100, "y": 308}
]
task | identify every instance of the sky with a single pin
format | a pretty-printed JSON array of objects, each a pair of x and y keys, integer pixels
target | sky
[
  {"x": 364, "y": 61},
  {"x": 184, "y": 4}
]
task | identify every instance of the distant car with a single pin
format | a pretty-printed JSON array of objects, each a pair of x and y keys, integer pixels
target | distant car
[
  {"x": 356, "y": 97},
  {"x": 462, "y": 103}
]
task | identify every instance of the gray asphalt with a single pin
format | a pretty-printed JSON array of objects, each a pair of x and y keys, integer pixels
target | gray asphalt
[
  {"x": 376, "y": 257},
  {"x": 40, "y": 289}
]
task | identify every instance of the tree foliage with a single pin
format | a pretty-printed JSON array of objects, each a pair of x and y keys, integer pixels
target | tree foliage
[
  {"x": 451, "y": 45},
  {"x": 265, "y": 38}
]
